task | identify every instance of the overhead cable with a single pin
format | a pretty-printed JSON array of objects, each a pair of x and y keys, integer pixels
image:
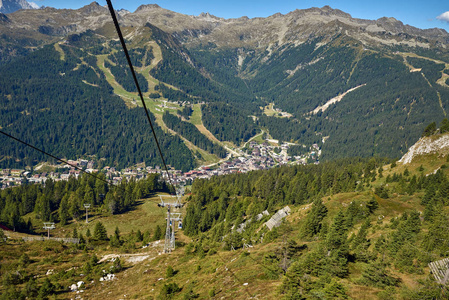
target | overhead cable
[
  {"x": 122, "y": 41},
  {"x": 52, "y": 156}
]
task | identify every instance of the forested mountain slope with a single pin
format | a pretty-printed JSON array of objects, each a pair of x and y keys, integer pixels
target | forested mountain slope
[
  {"x": 66, "y": 107},
  {"x": 390, "y": 79}
]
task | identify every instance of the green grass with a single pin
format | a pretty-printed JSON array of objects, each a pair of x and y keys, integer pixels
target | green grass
[
  {"x": 258, "y": 138},
  {"x": 269, "y": 110},
  {"x": 118, "y": 89},
  {"x": 195, "y": 118},
  {"x": 59, "y": 49},
  {"x": 145, "y": 215}
]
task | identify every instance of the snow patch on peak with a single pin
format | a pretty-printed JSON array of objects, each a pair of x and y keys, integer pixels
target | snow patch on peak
[
  {"x": 426, "y": 145},
  {"x": 34, "y": 5},
  {"x": 10, "y": 6}
]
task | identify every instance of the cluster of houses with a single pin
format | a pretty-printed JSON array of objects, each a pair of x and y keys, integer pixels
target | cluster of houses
[
  {"x": 15, "y": 177},
  {"x": 164, "y": 105},
  {"x": 257, "y": 157}
]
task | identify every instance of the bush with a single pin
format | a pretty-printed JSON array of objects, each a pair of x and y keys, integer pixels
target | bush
[
  {"x": 170, "y": 272},
  {"x": 376, "y": 275},
  {"x": 168, "y": 291}
]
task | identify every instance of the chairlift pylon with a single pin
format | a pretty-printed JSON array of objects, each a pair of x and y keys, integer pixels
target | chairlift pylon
[{"x": 171, "y": 202}]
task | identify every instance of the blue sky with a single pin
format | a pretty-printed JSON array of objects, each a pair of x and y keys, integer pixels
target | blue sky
[{"x": 418, "y": 13}]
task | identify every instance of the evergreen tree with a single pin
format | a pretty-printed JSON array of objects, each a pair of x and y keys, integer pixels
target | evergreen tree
[
  {"x": 100, "y": 233},
  {"x": 375, "y": 274},
  {"x": 157, "y": 233},
  {"x": 444, "y": 126},
  {"x": 337, "y": 236},
  {"x": 2, "y": 237},
  {"x": 312, "y": 225},
  {"x": 292, "y": 283},
  {"x": 75, "y": 233},
  {"x": 63, "y": 211},
  {"x": 31, "y": 289},
  {"x": 169, "y": 272},
  {"x": 430, "y": 129},
  {"x": 372, "y": 205},
  {"x": 46, "y": 289},
  {"x": 139, "y": 236}
]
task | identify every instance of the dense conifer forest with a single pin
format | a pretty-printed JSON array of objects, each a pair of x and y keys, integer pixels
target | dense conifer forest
[
  {"x": 190, "y": 132},
  {"x": 121, "y": 72},
  {"x": 239, "y": 128},
  {"x": 56, "y": 108}
]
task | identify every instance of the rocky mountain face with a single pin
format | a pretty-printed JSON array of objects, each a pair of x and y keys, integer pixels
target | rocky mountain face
[
  {"x": 9, "y": 6},
  {"x": 294, "y": 27},
  {"x": 427, "y": 145}
]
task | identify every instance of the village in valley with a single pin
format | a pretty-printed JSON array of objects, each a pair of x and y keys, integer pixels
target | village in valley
[{"x": 252, "y": 156}]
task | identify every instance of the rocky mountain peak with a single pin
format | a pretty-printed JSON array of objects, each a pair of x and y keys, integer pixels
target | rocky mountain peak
[
  {"x": 208, "y": 17},
  {"x": 10, "y": 6},
  {"x": 94, "y": 7},
  {"x": 327, "y": 10},
  {"x": 147, "y": 7},
  {"x": 277, "y": 15}
]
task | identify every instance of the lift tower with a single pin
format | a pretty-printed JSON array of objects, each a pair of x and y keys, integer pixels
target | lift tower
[
  {"x": 171, "y": 203},
  {"x": 87, "y": 206},
  {"x": 49, "y": 226}
]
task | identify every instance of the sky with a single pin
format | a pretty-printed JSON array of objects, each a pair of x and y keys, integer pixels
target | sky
[{"x": 417, "y": 13}]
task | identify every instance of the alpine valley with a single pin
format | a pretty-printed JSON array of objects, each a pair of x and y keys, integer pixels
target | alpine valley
[{"x": 317, "y": 76}]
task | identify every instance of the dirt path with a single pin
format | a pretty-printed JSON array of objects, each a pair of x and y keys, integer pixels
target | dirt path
[{"x": 155, "y": 249}]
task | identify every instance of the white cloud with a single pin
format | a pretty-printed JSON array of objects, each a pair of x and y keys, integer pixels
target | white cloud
[{"x": 444, "y": 17}]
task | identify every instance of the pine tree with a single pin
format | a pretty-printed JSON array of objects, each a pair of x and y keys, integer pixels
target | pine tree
[
  {"x": 100, "y": 233},
  {"x": 75, "y": 233},
  {"x": 169, "y": 272},
  {"x": 139, "y": 236},
  {"x": 157, "y": 233},
  {"x": 292, "y": 283},
  {"x": 312, "y": 225},
  {"x": 430, "y": 129},
  {"x": 438, "y": 235},
  {"x": 74, "y": 205},
  {"x": 2, "y": 237},
  {"x": 63, "y": 211},
  {"x": 46, "y": 289},
  {"x": 444, "y": 126},
  {"x": 337, "y": 236}
]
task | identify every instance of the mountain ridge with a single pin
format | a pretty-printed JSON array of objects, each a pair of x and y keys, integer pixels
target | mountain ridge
[{"x": 185, "y": 26}]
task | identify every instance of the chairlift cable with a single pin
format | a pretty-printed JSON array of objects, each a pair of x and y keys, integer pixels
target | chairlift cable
[
  {"x": 52, "y": 156},
  {"x": 122, "y": 41}
]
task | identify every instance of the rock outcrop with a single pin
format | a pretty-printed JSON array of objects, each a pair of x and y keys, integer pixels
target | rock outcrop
[{"x": 427, "y": 145}]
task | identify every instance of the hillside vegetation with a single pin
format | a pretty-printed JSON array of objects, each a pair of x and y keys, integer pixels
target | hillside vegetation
[{"x": 357, "y": 228}]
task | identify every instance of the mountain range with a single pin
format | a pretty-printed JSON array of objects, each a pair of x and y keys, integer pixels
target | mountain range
[{"x": 354, "y": 87}]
